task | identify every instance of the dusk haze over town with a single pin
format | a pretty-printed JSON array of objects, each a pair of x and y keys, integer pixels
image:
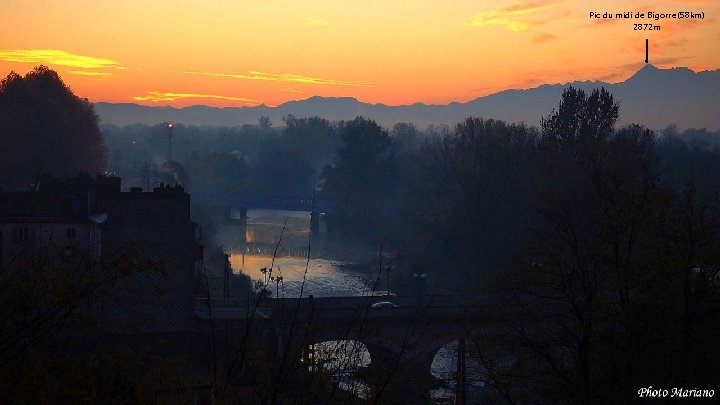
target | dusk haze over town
[{"x": 351, "y": 202}]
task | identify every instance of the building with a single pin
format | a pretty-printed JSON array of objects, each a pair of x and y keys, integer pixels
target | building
[
  {"x": 152, "y": 231},
  {"x": 141, "y": 244},
  {"x": 52, "y": 221}
]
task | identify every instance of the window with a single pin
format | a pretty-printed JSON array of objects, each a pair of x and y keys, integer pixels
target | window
[
  {"x": 70, "y": 233},
  {"x": 23, "y": 234}
]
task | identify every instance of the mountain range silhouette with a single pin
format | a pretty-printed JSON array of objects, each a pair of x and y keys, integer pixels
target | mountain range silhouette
[{"x": 652, "y": 96}]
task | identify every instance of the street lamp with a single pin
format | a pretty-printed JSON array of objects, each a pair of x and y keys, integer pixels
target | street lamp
[
  {"x": 169, "y": 127},
  {"x": 420, "y": 279}
]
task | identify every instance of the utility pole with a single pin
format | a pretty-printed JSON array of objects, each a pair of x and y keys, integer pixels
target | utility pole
[
  {"x": 226, "y": 278},
  {"x": 460, "y": 374}
]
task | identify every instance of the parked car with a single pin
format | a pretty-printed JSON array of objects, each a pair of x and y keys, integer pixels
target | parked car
[{"x": 384, "y": 304}]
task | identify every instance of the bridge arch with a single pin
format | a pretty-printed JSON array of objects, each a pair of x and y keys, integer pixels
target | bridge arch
[
  {"x": 403, "y": 340},
  {"x": 345, "y": 355},
  {"x": 387, "y": 349}
]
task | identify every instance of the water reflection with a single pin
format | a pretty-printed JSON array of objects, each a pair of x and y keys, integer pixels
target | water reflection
[
  {"x": 319, "y": 277},
  {"x": 445, "y": 368},
  {"x": 267, "y": 227},
  {"x": 342, "y": 359}
]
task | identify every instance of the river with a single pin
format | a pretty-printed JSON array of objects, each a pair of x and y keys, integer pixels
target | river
[
  {"x": 332, "y": 270},
  {"x": 279, "y": 240}
]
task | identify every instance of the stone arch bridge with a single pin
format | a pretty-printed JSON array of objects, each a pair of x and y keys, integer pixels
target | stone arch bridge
[{"x": 402, "y": 341}]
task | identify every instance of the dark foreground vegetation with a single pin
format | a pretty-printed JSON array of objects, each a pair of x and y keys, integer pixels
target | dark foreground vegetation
[{"x": 603, "y": 242}]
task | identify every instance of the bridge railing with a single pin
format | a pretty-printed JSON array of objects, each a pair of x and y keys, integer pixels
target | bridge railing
[
  {"x": 234, "y": 302},
  {"x": 277, "y": 202}
]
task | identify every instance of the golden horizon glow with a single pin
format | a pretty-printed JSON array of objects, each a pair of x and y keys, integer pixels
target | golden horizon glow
[
  {"x": 281, "y": 77},
  {"x": 156, "y": 96},
  {"x": 247, "y": 52}
]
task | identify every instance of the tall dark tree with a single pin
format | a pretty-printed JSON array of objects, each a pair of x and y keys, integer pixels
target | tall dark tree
[
  {"x": 361, "y": 180},
  {"x": 222, "y": 172},
  {"x": 475, "y": 200},
  {"x": 264, "y": 122},
  {"x": 580, "y": 115},
  {"x": 278, "y": 171},
  {"x": 406, "y": 136},
  {"x": 45, "y": 128},
  {"x": 311, "y": 139}
]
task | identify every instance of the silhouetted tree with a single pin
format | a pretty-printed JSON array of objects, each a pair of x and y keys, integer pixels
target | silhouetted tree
[
  {"x": 45, "y": 128},
  {"x": 312, "y": 139},
  {"x": 47, "y": 290},
  {"x": 264, "y": 122},
  {"x": 222, "y": 172},
  {"x": 580, "y": 115},
  {"x": 406, "y": 135},
  {"x": 475, "y": 195},
  {"x": 361, "y": 180},
  {"x": 607, "y": 298},
  {"x": 278, "y": 171}
]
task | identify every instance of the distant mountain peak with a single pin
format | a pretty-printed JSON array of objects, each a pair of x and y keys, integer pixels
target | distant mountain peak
[
  {"x": 324, "y": 98},
  {"x": 650, "y": 71},
  {"x": 649, "y": 67}
]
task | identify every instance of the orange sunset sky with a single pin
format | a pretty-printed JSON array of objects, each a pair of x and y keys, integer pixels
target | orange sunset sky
[{"x": 242, "y": 52}]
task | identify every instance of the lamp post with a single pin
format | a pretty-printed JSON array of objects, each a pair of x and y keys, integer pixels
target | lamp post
[
  {"x": 226, "y": 277},
  {"x": 169, "y": 127},
  {"x": 420, "y": 280}
]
